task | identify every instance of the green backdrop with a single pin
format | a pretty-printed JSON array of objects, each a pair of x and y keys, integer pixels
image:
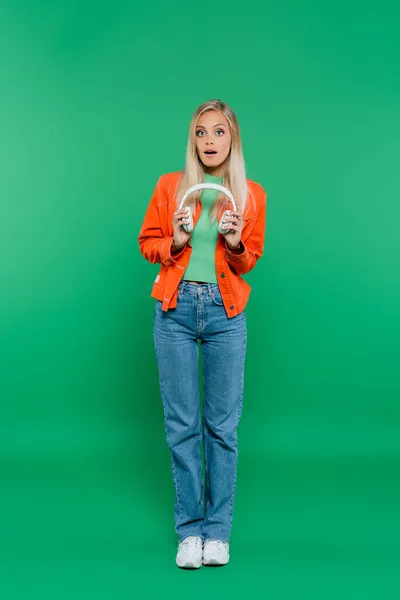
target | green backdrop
[{"x": 95, "y": 103}]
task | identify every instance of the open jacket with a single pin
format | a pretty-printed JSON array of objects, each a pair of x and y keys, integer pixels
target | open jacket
[{"x": 156, "y": 237}]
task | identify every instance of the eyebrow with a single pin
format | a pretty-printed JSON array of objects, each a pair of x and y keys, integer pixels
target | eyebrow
[{"x": 218, "y": 124}]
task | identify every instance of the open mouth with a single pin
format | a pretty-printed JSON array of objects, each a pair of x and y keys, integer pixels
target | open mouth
[{"x": 210, "y": 152}]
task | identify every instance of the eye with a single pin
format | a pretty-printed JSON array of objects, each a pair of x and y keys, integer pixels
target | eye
[
  {"x": 221, "y": 130},
  {"x": 199, "y": 131}
]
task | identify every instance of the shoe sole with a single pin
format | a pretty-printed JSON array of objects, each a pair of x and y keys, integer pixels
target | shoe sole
[
  {"x": 189, "y": 566},
  {"x": 214, "y": 563}
]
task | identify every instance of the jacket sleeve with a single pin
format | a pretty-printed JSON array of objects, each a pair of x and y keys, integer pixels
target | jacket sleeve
[
  {"x": 253, "y": 249},
  {"x": 153, "y": 244}
]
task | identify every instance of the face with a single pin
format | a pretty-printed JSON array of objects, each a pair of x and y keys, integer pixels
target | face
[{"x": 213, "y": 141}]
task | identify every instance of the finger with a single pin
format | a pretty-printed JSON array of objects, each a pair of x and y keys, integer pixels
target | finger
[
  {"x": 231, "y": 223},
  {"x": 180, "y": 225},
  {"x": 179, "y": 218}
]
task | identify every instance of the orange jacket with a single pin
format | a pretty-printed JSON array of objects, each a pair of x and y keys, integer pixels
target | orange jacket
[{"x": 156, "y": 237}]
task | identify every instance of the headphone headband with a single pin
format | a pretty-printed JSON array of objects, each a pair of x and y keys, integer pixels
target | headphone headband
[{"x": 210, "y": 186}]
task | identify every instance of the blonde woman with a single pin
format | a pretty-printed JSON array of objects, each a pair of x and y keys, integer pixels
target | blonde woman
[{"x": 200, "y": 302}]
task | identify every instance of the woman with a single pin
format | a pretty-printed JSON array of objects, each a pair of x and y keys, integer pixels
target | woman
[{"x": 200, "y": 297}]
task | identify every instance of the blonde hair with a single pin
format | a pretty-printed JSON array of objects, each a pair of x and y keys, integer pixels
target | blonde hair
[{"x": 234, "y": 177}]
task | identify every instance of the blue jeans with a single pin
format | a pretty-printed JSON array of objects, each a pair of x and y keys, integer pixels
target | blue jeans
[{"x": 200, "y": 315}]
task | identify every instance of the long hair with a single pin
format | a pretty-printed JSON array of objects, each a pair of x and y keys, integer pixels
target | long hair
[{"x": 234, "y": 177}]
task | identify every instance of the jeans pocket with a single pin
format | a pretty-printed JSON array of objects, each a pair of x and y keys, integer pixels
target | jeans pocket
[{"x": 216, "y": 297}]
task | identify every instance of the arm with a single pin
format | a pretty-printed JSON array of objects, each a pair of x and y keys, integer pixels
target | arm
[
  {"x": 245, "y": 257},
  {"x": 153, "y": 244}
]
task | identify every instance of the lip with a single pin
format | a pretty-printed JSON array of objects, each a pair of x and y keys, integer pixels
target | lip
[{"x": 210, "y": 155}]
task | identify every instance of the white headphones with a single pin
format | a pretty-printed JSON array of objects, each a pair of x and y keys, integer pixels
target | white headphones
[{"x": 188, "y": 227}]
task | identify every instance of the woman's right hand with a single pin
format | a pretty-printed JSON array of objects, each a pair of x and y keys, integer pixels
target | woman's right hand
[{"x": 180, "y": 235}]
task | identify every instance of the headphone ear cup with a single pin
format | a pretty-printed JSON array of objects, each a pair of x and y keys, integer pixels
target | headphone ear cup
[
  {"x": 188, "y": 227},
  {"x": 221, "y": 226}
]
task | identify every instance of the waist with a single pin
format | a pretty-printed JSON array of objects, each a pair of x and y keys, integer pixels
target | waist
[
  {"x": 197, "y": 282},
  {"x": 195, "y": 287}
]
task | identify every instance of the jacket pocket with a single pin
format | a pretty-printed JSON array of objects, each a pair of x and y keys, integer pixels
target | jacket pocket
[{"x": 248, "y": 227}]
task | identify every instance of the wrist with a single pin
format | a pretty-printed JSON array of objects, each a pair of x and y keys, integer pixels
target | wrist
[
  {"x": 235, "y": 249},
  {"x": 175, "y": 247}
]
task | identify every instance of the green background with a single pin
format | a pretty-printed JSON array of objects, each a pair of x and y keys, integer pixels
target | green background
[{"x": 95, "y": 103}]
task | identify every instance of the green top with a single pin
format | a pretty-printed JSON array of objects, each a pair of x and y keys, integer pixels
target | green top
[{"x": 203, "y": 240}]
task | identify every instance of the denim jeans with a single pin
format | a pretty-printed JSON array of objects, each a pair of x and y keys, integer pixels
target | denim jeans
[{"x": 200, "y": 315}]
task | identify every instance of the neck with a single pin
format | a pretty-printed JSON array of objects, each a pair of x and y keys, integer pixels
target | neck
[{"x": 215, "y": 171}]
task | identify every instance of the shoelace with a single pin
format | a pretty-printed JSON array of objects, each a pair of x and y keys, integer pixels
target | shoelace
[
  {"x": 191, "y": 539},
  {"x": 218, "y": 543}
]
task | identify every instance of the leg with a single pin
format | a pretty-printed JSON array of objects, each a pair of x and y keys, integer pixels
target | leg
[
  {"x": 224, "y": 351},
  {"x": 177, "y": 357}
]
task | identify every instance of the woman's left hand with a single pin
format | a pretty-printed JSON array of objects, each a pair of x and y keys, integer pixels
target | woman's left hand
[{"x": 234, "y": 222}]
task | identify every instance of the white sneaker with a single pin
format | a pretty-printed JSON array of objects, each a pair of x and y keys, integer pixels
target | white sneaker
[
  {"x": 190, "y": 552},
  {"x": 215, "y": 552}
]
